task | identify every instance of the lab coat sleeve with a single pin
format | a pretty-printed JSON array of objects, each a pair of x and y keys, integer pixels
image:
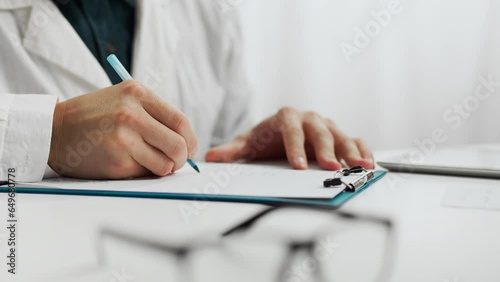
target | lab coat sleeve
[
  {"x": 235, "y": 116},
  {"x": 25, "y": 135}
]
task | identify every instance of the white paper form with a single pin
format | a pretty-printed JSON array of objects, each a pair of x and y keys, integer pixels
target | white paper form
[{"x": 257, "y": 180}]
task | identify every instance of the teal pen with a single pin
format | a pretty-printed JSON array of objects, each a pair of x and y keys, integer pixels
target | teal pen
[{"x": 124, "y": 75}]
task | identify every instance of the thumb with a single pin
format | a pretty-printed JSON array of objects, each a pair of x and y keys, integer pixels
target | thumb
[{"x": 229, "y": 152}]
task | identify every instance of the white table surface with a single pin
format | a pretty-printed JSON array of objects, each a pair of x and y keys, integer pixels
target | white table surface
[{"x": 58, "y": 235}]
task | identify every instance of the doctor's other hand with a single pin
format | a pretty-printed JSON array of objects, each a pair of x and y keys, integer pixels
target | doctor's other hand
[
  {"x": 298, "y": 136},
  {"x": 119, "y": 132}
]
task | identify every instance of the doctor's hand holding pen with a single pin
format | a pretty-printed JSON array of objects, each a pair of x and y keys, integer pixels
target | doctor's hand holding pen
[{"x": 119, "y": 132}]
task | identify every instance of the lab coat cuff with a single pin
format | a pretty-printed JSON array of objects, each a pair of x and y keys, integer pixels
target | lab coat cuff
[{"x": 27, "y": 136}]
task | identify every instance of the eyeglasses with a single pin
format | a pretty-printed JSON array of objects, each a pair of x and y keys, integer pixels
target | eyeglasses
[{"x": 278, "y": 244}]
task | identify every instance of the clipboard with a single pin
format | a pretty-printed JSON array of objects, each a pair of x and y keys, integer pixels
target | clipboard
[{"x": 333, "y": 203}]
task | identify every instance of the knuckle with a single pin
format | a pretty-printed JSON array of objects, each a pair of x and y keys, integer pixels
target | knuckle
[
  {"x": 330, "y": 122},
  {"x": 313, "y": 116},
  {"x": 316, "y": 126},
  {"x": 179, "y": 121},
  {"x": 123, "y": 114},
  {"x": 358, "y": 140},
  {"x": 123, "y": 141},
  {"x": 179, "y": 149},
  {"x": 126, "y": 116},
  {"x": 132, "y": 89},
  {"x": 286, "y": 112}
]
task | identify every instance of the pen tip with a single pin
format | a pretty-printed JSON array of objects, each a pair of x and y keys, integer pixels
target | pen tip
[{"x": 193, "y": 165}]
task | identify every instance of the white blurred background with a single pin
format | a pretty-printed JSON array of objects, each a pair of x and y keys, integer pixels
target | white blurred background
[{"x": 429, "y": 57}]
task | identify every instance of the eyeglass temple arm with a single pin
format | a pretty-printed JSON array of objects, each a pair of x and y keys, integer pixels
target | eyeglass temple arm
[{"x": 252, "y": 220}]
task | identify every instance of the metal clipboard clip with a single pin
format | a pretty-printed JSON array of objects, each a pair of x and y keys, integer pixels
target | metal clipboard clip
[{"x": 350, "y": 186}]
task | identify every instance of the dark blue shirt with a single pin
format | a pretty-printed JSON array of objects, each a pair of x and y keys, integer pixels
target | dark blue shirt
[{"x": 106, "y": 27}]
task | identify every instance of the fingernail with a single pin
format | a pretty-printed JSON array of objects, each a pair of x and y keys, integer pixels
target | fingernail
[
  {"x": 332, "y": 160},
  {"x": 365, "y": 162},
  {"x": 301, "y": 161}
]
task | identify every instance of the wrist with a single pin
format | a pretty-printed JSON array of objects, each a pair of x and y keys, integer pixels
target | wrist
[{"x": 56, "y": 134}]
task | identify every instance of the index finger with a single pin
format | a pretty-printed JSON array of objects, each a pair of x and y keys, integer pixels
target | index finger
[
  {"x": 173, "y": 119},
  {"x": 293, "y": 138}
]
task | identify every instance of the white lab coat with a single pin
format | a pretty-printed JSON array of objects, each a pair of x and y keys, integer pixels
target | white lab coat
[{"x": 187, "y": 51}]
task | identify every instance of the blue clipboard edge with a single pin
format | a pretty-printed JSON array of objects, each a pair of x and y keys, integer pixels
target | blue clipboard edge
[{"x": 334, "y": 203}]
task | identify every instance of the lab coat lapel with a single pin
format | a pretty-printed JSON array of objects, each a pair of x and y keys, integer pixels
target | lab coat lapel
[
  {"x": 155, "y": 45},
  {"x": 15, "y": 4},
  {"x": 50, "y": 36}
]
